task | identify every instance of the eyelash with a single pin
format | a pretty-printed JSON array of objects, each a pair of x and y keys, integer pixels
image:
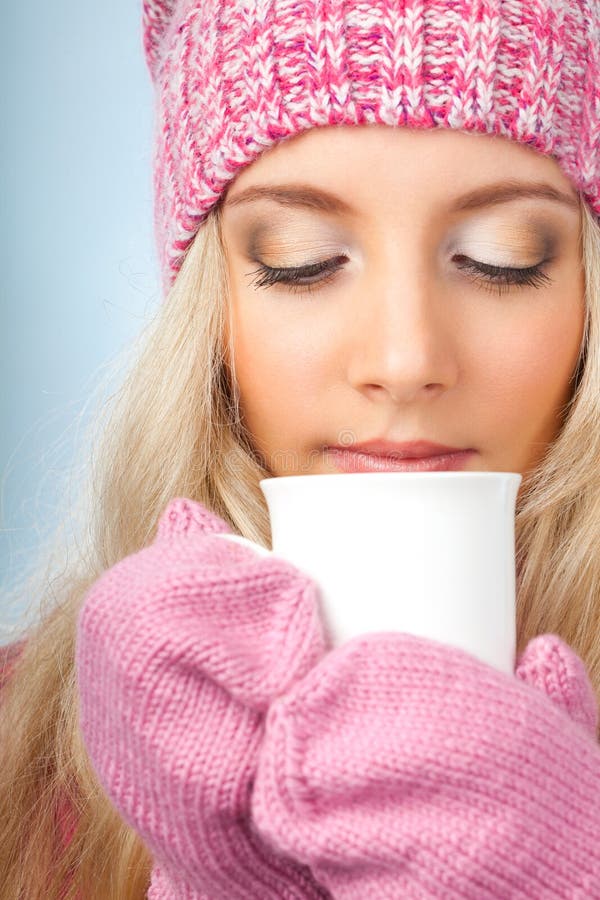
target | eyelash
[{"x": 494, "y": 277}]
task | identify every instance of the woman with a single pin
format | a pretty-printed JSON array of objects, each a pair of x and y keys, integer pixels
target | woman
[{"x": 143, "y": 750}]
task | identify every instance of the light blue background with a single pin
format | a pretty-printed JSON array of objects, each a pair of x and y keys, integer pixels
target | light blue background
[{"x": 79, "y": 271}]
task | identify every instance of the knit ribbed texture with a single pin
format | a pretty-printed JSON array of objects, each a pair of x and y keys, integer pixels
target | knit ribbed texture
[
  {"x": 233, "y": 78},
  {"x": 258, "y": 763},
  {"x": 180, "y": 649},
  {"x": 403, "y": 768}
]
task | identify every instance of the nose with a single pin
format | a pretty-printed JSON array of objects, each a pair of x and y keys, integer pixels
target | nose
[{"x": 401, "y": 343}]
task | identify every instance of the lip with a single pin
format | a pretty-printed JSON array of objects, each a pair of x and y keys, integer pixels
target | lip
[
  {"x": 351, "y": 461},
  {"x": 406, "y": 450}
]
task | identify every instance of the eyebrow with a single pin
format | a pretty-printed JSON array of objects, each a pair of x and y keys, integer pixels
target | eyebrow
[{"x": 309, "y": 197}]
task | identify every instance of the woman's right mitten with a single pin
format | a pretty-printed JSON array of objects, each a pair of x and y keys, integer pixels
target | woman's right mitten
[{"x": 181, "y": 647}]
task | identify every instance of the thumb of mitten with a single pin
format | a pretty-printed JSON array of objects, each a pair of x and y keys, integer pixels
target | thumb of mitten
[
  {"x": 550, "y": 665},
  {"x": 186, "y": 517}
]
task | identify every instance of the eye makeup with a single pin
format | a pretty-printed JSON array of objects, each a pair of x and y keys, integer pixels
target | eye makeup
[
  {"x": 493, "y": 254},
  {"x": 517, "y": 244},
  {"x": 286, "y": 244},
  {"x": 492, "y": 277}
]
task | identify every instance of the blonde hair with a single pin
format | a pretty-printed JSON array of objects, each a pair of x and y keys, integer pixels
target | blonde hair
[{"x": 173, "y": 429}]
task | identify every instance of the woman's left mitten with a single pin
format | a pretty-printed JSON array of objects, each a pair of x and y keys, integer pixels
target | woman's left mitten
[{"x": 400, "y": 767}]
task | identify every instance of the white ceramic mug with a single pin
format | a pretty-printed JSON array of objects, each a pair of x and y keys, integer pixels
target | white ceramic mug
[{"x": 429, "y": 553}]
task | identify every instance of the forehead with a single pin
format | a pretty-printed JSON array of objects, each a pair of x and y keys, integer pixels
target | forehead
[{"x": 353, "y": 169}]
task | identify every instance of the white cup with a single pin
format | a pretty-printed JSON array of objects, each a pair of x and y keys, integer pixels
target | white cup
[{"x": 428, "y": 553}]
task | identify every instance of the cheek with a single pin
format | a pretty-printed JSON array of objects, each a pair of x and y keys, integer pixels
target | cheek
[
  {"x": 279, "y": 367},
  {"x": 525, "y": 375}
]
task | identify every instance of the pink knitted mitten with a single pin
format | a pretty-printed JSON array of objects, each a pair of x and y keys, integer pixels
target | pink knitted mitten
[
  {"x": 400, "y": 767},
  {"x": 180, "y": 649}
]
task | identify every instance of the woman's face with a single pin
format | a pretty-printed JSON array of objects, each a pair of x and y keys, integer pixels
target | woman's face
[{"x": 394, "y": 334}]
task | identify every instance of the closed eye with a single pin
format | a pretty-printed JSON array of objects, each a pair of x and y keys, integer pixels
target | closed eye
[{"x": 302, "y": 279}]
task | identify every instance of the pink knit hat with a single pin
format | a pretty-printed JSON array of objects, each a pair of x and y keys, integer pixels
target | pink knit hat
[{"x": 233, "y": 77}]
